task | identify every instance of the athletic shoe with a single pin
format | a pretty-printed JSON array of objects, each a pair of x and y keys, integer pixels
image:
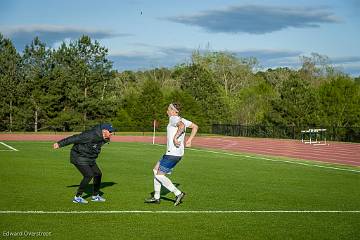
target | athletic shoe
[
  {"x": 79, "y": 200},
  {"x": 179, "y": 198},
  {"x": 97, "y": 198},
  {"x": 152, "y": 200}
]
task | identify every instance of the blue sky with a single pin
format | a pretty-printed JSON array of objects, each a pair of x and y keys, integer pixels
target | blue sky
[{"x": 146, "y": 34}]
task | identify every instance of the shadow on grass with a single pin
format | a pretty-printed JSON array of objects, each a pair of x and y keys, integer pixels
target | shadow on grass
[
  {"x": 165, "y": 191},
  {"x": 89, "y": 188}
]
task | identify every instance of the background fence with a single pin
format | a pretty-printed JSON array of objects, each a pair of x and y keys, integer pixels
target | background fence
[{"x": 345, "y": 134}]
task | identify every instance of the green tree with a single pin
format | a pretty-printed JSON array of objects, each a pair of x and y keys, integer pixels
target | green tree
[
  {"x": 276, "y": 77},
  {"x": 36, "y": 64},
  {"x": 125, "y": 82},
  {"x": 296, "y": 105},
  {"x": 230, "y": 71},
  {"x": 340, "y": 102},
  {"x": 10, "y": 83},
  {"x": 150, "y": 105},
  {"x": 89, "y": 81},
  {"x": 357, "y": 80},
  {"x": 63, "y": 115},
  {"x": 253, "y": 103},
  {"x": 199, "y": 83},
  {"x": 317, "y": 69}
]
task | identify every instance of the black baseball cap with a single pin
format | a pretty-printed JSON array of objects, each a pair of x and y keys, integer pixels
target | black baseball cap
[{"x": 108, "y": 127}]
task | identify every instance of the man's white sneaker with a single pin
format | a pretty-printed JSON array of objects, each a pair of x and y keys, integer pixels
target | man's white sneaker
[
  {"x": 79, "y": 200},
  {"x": 97, "y": 198}
]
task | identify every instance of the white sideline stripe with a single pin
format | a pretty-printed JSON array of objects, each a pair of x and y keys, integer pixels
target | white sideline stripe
[
  {"x": 14, "y": 149},
  {"x": 179, "y": 212},
  {"x": 275, "y": 160}
]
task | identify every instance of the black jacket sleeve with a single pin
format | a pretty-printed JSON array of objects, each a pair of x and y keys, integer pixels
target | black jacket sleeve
[{"x": 83, "y": 137}]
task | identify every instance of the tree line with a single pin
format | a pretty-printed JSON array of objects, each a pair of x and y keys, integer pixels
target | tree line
[{"x": 75, "y": 86}]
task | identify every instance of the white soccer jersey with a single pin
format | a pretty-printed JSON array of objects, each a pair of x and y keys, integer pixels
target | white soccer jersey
[{"x": 171, "y": 131}]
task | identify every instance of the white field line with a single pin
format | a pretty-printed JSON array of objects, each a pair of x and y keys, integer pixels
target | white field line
[
  {"x": 274, "y": 160},
  {"x": 12, "y": 149},
  {"x": 180, "y": 212}
]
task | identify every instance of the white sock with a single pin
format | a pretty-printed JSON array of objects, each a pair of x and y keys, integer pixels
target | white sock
[
  {"x": 157, "y": 186},
  {"x": 168, "y": 184}
]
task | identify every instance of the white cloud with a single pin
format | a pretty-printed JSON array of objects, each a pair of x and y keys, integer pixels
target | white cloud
[
  {"x": 257, "y": 19},
  {"x": 52, "y": 34}
]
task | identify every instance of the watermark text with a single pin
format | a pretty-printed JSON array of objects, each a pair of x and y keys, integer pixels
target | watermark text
[{"x": 26, "y": 234}]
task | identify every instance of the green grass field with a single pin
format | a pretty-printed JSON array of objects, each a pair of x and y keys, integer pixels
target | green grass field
[{"x": 38, "y": 178}]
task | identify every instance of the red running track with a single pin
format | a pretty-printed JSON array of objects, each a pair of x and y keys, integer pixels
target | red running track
[{"x": 335, "y": 152}]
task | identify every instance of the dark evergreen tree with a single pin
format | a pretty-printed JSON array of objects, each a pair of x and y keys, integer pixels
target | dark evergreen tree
[
  {"x": 10, "y": 86},
  {"x": 37, "y": 68}
]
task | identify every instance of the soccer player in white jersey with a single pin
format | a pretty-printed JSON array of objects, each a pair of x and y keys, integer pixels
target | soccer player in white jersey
[{"x": 174, "y": 152}]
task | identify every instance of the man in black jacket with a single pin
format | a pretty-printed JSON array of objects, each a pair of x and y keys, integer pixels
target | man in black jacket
[{"x": 86, "y": 148}]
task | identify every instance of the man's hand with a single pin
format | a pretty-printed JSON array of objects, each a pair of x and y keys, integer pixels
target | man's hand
[
  {"x": 194, "y": 129},
  {"x": 56, "y": 146}
]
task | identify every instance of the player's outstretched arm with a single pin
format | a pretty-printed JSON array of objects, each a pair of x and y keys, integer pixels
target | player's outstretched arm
[
  {"x": 194, "y": 129},
  {"x": 83, "y": 137}
]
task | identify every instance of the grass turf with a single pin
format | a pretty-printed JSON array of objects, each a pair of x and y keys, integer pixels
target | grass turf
[{"x": 40, "y": 178}]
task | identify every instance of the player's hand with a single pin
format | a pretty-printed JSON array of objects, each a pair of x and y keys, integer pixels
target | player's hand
[
  {"x": 56, "y": 146},
  {"x": 176, "y": 142},
  {"x": 188, "y": 143}
]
